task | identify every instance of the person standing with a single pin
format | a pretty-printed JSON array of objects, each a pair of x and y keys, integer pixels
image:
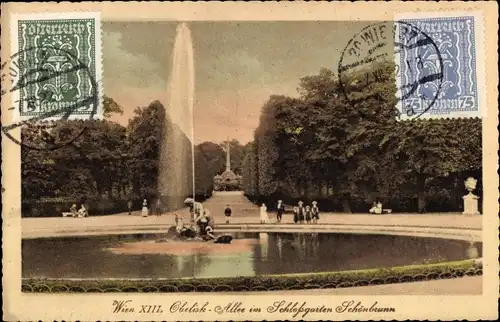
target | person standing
[
  {"x": 263, "y": 214},
  {"x": 295, "y": 214},
  {"x": 301, "y": 212},
  {"x": 315, "y": 212},
  {"x": 144, "y": 211},
  {"x": 280, "y": 209},
  {"x": 158, "y": 207},
  {"x": 308, "y": 214},
  {"x": 129, "y": 206},
  {"x": 227, "y": 213}
]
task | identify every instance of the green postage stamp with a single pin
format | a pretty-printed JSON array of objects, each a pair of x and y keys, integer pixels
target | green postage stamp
[{"x": 58, "y": 62}]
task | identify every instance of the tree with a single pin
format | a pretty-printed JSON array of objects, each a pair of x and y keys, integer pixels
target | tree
[
  {"x": 110, "y": 107},
  {"x": 214, "y": 156},
  {"x": 341, "y": 139}
]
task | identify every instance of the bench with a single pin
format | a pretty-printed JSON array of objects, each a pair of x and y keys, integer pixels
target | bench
[{"x": 68, "y": 214}]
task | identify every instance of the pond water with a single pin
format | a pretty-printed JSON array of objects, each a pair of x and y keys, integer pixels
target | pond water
[{"x": 249, "y": 254}]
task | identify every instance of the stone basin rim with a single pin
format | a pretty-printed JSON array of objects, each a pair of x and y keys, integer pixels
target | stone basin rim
[{"x": 468, "y": 234}]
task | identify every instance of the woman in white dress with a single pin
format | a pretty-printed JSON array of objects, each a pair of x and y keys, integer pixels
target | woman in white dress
[
  {"x": 144, "y": 208},
  {"x": 263, "y": 214}
]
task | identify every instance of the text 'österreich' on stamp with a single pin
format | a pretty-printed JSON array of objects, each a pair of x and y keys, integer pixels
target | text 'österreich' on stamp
[{"x": 55, "y": 67}]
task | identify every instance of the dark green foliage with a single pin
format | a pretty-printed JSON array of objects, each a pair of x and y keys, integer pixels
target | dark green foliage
[
  {"x": 106, "y": 165},
  {"x": 350, "y": 152}
]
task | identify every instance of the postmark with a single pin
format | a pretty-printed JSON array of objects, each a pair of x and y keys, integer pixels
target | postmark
[
  {"x": 40, "y": 129},
  {"x": 379, "y": 47},
  {"x": 53, "y": 75}
]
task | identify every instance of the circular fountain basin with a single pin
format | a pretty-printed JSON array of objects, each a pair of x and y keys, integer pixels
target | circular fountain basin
[{"x": 249, "y": 254}]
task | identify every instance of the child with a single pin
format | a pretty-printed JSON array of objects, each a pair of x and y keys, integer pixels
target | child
[
  {"x": 308, "y": 214},
  {"x": 295, "y": 214},
  {"x": 227, "y": 213}
]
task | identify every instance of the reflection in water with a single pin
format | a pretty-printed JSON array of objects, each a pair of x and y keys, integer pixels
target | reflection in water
[
  {"x": 181, "y": 261},
  {"x": 264, "y": 244},
  {"x": 279, "y": 244},
  {"x": 141, "y": 256},
  {"x": 472, "y": 251}
]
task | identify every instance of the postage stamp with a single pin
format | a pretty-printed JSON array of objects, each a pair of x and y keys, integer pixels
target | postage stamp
[
  {"x": 249, "y": 161},
  {"x": 56, "y": 66},
  {"x": 454, "y": 57}
]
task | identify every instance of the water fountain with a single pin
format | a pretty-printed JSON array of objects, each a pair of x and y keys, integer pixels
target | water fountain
[
  {"x": 176, "y": 179},
  {"x": 175, "y": 174}
]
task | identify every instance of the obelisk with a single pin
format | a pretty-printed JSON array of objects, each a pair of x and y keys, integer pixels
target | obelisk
[{"x": 228, "y": 157}]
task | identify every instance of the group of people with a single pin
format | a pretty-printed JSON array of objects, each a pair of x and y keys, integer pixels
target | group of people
[
  {"x": 145, "y": 209},
  {"x": 307, "y": 213},
  {"x": 301, "y": 213},
  {"x": 79, "y": 213}
]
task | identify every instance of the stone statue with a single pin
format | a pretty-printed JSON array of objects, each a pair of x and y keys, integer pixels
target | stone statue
[{"x": 470, "y": 200}]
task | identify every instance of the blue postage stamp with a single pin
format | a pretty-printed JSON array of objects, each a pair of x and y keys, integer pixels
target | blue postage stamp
[
  {"x": 444, "y": 83},
  {"x": 58, "y": 62}
]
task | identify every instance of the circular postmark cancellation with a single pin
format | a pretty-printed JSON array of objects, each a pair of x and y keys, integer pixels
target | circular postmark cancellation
[
  {"x": 45, "y": 91},
  {"x": 412, "y": 53}
]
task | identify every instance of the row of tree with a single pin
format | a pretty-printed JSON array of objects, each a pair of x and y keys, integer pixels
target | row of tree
[
  {"x": 107, "y": 164},
  {"x": 349, "y": 153}
]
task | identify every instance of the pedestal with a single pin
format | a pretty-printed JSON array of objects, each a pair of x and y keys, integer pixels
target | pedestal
[{"x": 471, "y": 204}]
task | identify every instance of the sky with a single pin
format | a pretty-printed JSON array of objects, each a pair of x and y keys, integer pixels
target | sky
[{"x": 238, "y": 65}]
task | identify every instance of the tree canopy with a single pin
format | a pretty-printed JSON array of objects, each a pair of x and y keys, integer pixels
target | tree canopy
[
  {"x": 343, "y": 142},
  {"x": 103, "y": 159}
]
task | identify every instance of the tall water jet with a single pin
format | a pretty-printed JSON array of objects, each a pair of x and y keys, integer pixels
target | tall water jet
[{"x": 176, "y": 174}]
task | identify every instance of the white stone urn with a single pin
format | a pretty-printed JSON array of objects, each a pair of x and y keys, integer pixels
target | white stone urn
[{"x": 470, "y": 200}]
